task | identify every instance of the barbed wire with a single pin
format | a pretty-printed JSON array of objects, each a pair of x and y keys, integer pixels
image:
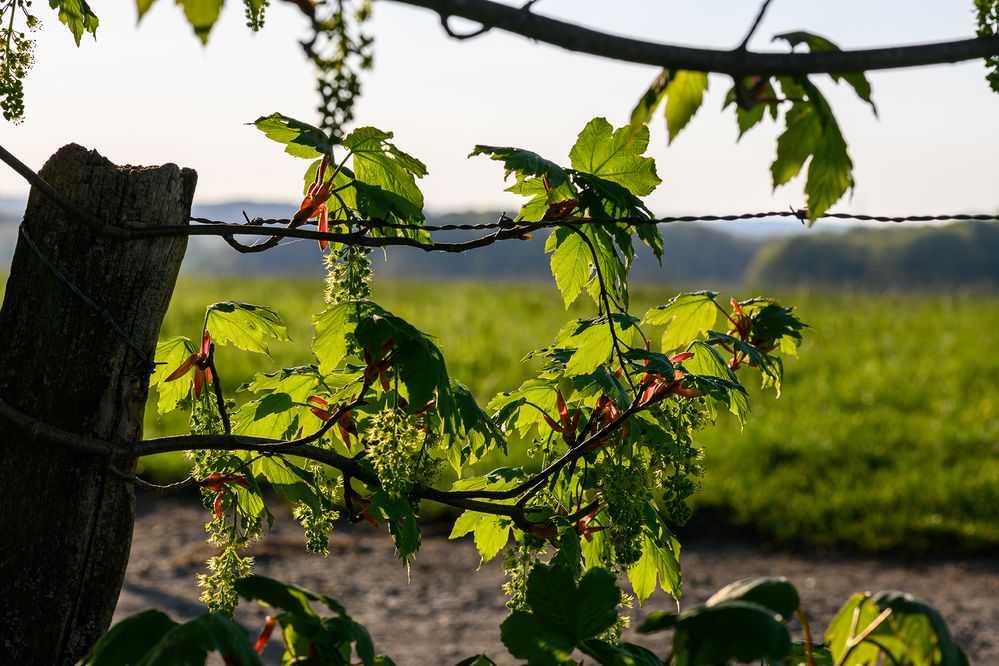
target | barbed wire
[
  {"x": 505, "y": 222},
  {"x": 99, "y": 311}
]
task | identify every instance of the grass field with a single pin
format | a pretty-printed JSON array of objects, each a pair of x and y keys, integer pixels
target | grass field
[{"x": 886, "y": 437}]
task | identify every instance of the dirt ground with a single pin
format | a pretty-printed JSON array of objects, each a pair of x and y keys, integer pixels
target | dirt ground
[{"x": 448, "y": 610}]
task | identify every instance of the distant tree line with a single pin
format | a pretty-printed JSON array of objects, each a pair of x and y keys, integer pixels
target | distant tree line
[
  {"x": 954, "y": 255},
  {"x": 962, "y": 255}
]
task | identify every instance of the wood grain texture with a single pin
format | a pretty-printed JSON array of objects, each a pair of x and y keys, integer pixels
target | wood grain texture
[{"x": 66, "y": 521}]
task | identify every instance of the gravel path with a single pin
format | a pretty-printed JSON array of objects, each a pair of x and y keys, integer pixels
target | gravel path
[{"x": 448, "y": 610}]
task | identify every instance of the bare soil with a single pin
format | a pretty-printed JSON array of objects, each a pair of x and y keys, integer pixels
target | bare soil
[{"x": 449, "y": 609}]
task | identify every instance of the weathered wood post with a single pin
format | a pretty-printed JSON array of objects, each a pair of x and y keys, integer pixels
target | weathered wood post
[{"x": 65, "y": 520}]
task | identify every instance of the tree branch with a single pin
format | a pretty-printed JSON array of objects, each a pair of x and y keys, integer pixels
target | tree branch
[{"x": 732, "y": 62}]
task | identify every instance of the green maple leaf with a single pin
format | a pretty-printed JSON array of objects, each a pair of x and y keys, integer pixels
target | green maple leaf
[
  {"x": 616, "y": 155},
  {"x": 77, "y": 16},
  {"x": 387, "y": 176},
  {"x": 684, "y": 95},
  {"x": 562, "y": 616},
  {"x": 299, "y": 139},
  {"x": 245, "y": 325}
]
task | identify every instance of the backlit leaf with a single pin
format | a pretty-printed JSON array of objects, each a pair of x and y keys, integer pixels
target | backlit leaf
[
  {"x": 524, "y": 163},
  {"x": 398, "y": 513},
  {"x": 570, "y": 263},
  {"x": 389, "y": 174},
  {"x": 170, "y": 355},
  {"x": 797, "y": 143},
  {"x": 716, "y": 379},
  {"x": 616, "y": 155},
  {"x": 818, "y": 44},
  {"x": 650, "y": 101},
  {"x": 684, "y": 95},
  {"x": 246, "y": 326},
  {"x": 830, "y": 173},
  {"x": 77, "y": 16},
  {"x": 202, "y": 15},
  {"x": 686, "y": 317},
  {"x": 299, "y": 139},
  {"x": 334, "y": 328}
]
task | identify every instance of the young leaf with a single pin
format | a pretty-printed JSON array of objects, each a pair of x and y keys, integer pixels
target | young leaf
[
  {"x": 812, "y": 132},
  {"x": 398, "y": 512},
  {"x": 202, "y": 15},
  {"x": 570, "y": 263},
  {"x": 797, "y": 143},
  {"x": 525, "y": 407},
  {"x": 387, "y": 176},
  {"x": 854, "y": 617},
  {"x": 650, "y": 101},
  {"x": 417, "y": 357},
  {"x": 616, "y": 155},
  {"x": 77, "y": 16},
  {"x": 686, "y": 317},
  {"x": 170, "y": 354},
  {"x": 907, "y": 630},
  {"x": 830, "y": 173},
  {"x": 660, "y": 559},
  {"x": 292, "y": 483},
  {"x": 713, "y": 376},
  {"x": 684, "y": 95},
  {"x": 299, "y": 139},
  {"x": 491, "y": 532},
  {"x": 918, "y": 632},
  {"x": 818, "y": 44},
  {"x": 334, "y": 328},
  {"x": 471, "y": 434},
  {"x": 592, "y": 341},
  {"x": 244, "y": 325},
  {"x": 524, "y": 163},
  {"x": 771, "y": 367},
  {"x": 285, "y": 596}
]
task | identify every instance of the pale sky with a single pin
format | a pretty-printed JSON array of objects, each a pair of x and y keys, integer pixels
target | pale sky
[{"x": 152, "y": 94}]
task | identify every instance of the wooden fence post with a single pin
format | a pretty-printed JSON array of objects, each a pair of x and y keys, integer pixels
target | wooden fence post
[{"x": 65, "y": 520}]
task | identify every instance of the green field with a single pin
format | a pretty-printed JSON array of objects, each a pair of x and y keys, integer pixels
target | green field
[{"x": 886, "y": 436}]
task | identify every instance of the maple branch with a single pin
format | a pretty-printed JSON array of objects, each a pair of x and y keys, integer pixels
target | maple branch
[
  {"x": 37, "y": 431},
  {"x": 735, "y": 62}
]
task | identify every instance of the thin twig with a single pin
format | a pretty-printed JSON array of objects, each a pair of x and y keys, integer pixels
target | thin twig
[
  {"x": 142, "y": 483},
  {"x": 217, "y": 387},
  {"x": 754, "y": 26}
]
